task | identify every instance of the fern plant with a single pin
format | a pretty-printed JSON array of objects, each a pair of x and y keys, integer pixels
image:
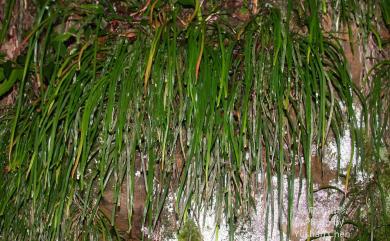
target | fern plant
[{"x": 235, "y": 101}]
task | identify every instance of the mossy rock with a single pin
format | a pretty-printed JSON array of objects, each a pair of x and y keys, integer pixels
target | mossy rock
[{"x": 190, "y": 232}]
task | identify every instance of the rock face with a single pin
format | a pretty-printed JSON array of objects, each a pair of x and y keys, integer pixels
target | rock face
[
  {"x": 322, "y": 174},
  {"x": 107, "y": 205}
]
